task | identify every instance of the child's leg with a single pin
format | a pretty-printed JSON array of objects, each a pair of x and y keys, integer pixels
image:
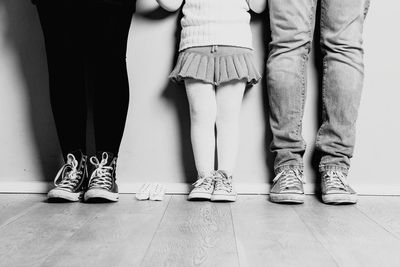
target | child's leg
[
  {"x": 203, "y": 112},
  {"x": 229, "y": 101}
]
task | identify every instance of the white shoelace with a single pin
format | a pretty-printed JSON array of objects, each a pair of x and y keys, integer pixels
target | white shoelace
[
  {"x": 68, "y": 176},
  {"x": 335, "y": 180},
  {"x": 101, "y": 176},
  {"x": 205, "y": 183},
  {"x": 290, "y": 178},
  {"x": 223, "y": 183}
]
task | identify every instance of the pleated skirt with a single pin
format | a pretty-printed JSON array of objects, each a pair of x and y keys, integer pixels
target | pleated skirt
[{"x": 216, "y": 65}]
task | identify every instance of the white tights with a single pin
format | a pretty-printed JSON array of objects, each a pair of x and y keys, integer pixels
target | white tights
[{"x": 212, "y": 106}]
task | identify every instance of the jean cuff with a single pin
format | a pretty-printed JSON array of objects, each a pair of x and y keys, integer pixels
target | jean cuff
[
  {"x": 324, "y": 168},
  {"x": 288, "y": 167}
]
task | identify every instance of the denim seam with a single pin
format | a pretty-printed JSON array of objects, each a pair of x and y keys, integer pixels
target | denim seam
[
  {"x": 366, "y": 8},
  {"x": 303, "y": 72},
  {"x": 306, "y": 57},
  {"x": 303, "y": 92},
  {"x": 323, "y": 93},
  {"x": 324, "y": 113},
  {"x": 367, "y": 4},
  {"x": 322, "y": 19}
]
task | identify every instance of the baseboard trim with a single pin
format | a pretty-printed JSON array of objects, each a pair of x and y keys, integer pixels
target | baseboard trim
[{"x": 183, "y": 188}]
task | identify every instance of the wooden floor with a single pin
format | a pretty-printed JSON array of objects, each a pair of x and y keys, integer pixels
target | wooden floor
[{"x": 175, "y": 232}]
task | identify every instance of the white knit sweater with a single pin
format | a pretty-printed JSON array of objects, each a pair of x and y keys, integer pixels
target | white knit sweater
[{"x": 215, "y": 22}]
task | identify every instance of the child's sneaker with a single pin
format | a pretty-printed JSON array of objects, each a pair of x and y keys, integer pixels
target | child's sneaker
[
  {"x": 335, "y": 188},
  {"x": 203, "y": 189},
  {"x": 223, "y": 187},
  {"x": 287, "y": 187},
  {"x": 102, "y": 184},
  {"x": 70, "y": 181}
]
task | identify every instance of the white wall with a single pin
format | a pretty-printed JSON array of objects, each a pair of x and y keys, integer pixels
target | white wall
[{"x": 156, "y": 144}]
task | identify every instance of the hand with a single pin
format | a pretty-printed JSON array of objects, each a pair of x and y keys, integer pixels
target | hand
[
  {"x": 257, "y": 6},
  {"x": 170, "y": 5},
  {"x": 145, "y": 6}
]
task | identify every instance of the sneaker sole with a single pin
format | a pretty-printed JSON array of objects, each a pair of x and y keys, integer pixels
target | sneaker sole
[
  {"x": 64, "y": 195},
  {"x": 199, "y": 196},
  {"x": 229, "y": 198},
  {"x": 339, "y": 199},
  {"x": 286, "y": 198},
  {"x": 101, "y": 194}
]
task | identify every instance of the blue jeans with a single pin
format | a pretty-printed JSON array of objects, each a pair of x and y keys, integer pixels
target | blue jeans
[{"x": 292, "y": 26}]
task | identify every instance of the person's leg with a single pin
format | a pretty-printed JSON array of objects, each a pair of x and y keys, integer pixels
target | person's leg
[
  {"x": 203, "y": 112},
  {"x": 63, "y": 24},
  {"x": 107, "y": 44},
  {"x": 343, "y": 73},
  {"x": 229, "y": 102},
  {"x": 292, "y": 24},
  {"x": 107, "y": 37}
]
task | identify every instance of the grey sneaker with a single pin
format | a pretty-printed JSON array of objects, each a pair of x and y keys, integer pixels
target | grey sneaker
[
  {"x": 203, "y": 188},
  {"x": 335, "y": 188},
  {"x": 223, "y": 187},
  {"x": 287, "y": 187}
]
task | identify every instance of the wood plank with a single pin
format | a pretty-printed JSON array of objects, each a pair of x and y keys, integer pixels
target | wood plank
[
  {"x": 28, "y": 240},
  {"x": 194, "y": 234},
  {"x": 118, "y": 235},
  {"x": 349, "y": 236},
  {"x": 13, "y": 206},
  {"x": 36, "y": 233},
  {"x": 270, "y": 234},
  {"x": 384, "y": 211}
]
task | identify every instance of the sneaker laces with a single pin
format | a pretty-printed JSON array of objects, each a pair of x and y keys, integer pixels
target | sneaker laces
[
  {"x": 204, "y": 182},
  {"x": 290, "y": 178},
  {"x": 335, "y": 179},
  {"x": 101, "y": 176},
  {"x": 68, "y": 176},
  {"x": 223, "y": 182}
]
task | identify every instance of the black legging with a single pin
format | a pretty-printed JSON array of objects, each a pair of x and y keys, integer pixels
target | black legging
[{"x": 86, "y": 44}]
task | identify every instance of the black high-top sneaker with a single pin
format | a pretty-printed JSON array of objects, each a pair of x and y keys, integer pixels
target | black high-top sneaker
[
  {"x": 71, "y": 180},
  {"x": 102, "y": 186}
]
